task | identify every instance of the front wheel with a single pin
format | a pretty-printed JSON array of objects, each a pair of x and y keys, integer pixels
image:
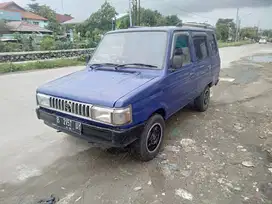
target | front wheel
[
  {"x": 148, "y": 145},
  {"x": 202, "y": 102}
]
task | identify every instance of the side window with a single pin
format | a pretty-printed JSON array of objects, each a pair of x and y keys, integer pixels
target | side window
[
  {"x": 213, "y": 45},
  {"x": 181, "y": 47},
  {"x": 201, "y": 47}
]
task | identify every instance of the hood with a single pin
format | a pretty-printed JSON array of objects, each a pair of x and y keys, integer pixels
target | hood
[{"x": 97, "y": 87}]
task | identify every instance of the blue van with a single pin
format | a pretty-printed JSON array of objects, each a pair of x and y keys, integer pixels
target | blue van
[{"x": 135, "y": 80}]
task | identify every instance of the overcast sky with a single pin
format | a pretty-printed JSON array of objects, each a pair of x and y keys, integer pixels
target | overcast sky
[{"x": 252, "y": 12}]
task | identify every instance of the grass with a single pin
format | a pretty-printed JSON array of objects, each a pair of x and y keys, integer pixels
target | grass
[
  {"x": 49, "y": 64},
  {"x": 231, "y": 44}
]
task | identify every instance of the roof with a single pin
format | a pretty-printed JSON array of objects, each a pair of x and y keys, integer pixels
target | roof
[
  {"x": 24, "y": 13},
  {"x": 5, "y": 5},
  {"x": 73, "y": 21},
  {"x": 32, "y": 16},
  {"x": 162, "y": 28},
  {"x": 22, "y": 26},
  {"x": 63, "y": 18}
]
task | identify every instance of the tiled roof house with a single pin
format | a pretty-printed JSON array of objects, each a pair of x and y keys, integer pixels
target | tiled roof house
[
  {"x": 10, "y": 9},
  {"x": 17, "y": 19}
]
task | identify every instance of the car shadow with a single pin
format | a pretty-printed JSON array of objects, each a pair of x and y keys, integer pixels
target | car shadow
[{"x": 110, "y": 166}]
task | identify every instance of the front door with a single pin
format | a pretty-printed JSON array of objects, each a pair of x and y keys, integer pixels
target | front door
[{"x": 181, "y": 82}]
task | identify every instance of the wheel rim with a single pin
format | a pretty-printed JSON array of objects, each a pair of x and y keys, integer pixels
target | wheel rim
[
  {"x": 154, "y": 137},
  {"x": 206, "y": 97}
]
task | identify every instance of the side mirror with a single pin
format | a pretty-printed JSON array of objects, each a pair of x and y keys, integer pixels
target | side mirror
[
  {"x": 177, "y": 61},
  {"x": 88, "y": 59}
]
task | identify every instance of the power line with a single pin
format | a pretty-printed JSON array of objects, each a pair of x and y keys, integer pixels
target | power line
[{"x": 183, "y": 10}]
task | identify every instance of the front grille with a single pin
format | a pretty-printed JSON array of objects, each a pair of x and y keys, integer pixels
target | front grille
[{"x": 68, "y": 106}]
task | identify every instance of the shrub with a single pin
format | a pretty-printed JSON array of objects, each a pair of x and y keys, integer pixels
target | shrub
[
  {"x": 47, "y": 43},
  {"x": 10, "y": 47},
  {"x": 49, "y": 64},
  {"x": 60, "y": 45}
]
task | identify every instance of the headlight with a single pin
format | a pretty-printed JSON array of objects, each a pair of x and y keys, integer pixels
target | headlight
[
  {"x": 121, "y": 116},
  {"x": 43, "y": 100},
  {"x": 112, "y": 116}
]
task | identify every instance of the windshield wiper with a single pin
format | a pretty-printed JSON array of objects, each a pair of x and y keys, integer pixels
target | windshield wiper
[
  {"x": 136, "y": 64},
  {"x": 95, "y": 66}
]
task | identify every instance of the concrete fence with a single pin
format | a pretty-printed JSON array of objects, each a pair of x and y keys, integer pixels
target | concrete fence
[{"x": 43, "y": 55}]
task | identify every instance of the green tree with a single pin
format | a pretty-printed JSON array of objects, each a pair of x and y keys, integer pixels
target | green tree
[
  {"x": 47, "y": 43},
  {"x": 124, "y": 23},
  {"x": 155, "y": 18},
  {"x": 101, "y": 19},
  {"x": 150, "y": 17},
  {"x": 172, "y": 20},
  {"x": 96, "y": 34},
  {"x": 249, "y": 32},
  {"x": 46, "y": 12},
  {"x": 267, "y": 33},
  {"x": 225, "y": 28}
]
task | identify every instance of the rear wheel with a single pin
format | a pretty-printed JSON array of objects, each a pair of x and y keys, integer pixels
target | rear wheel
[
  {"x": 149, "y": 144},
  {"x": 202, "y": 102}
]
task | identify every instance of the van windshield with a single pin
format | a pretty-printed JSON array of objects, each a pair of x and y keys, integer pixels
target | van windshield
[{"x": 141, "y": 47}]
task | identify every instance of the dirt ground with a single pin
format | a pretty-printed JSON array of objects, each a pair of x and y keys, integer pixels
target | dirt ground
[{"x": 222, "y": 156}]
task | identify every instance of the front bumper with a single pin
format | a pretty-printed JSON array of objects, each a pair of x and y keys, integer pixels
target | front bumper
[{"x": 95, "y": 134}]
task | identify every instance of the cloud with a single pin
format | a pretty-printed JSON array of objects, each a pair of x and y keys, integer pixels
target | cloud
[
  {"x": 161, "y": 5},
  {"x": 196, "y": 10},
  {"x": 188, "y": 6},
  {"x": 209, "y": 5}
]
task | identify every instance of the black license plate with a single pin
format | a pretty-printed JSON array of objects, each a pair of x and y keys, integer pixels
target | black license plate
[{"x": 68, "y": 124}]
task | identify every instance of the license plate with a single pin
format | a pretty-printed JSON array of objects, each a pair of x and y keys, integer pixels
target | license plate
[{"x": 68, "y": 124}]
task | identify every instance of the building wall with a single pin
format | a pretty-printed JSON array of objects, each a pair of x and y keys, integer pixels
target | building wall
[
  {"x": 40, "y": 23},
  {"x": 7, "y": 36},
  {"x": 10, "y": 16}
]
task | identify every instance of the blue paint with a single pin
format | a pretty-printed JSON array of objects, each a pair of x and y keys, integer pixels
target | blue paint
[
  {"x": 10, "y": 15},
  {"x": 146, "y": 90}
]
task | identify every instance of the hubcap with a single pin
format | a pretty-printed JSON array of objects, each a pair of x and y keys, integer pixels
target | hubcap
[
  {"x": 206, "y": 97},
  {"x": 154, "y": 137}
]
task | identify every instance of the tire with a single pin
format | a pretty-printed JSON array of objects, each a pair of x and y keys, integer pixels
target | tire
[
  {"x": 145, "y": 147},
  {"x": 202, "y": 102}
]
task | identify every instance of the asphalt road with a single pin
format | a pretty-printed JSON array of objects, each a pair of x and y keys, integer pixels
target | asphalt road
[{"x": 36, "y": 161}]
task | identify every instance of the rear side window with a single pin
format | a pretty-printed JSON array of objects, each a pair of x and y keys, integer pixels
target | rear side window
[
  {"x": 201, "y": 47},
  {"x": 213, "y": 45}
]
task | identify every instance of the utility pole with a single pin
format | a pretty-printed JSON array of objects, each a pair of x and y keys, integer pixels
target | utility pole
[
  {"x": 135, "y": 12},
  {"x": 229, "y": 34},
  {"x": 239, "y": 29},
  {"x": 258, "y": 28},
  {"x": 139, "y": 12},
  {"x": 130, "y": 17},
  {"x": 237, "y": 25}
]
